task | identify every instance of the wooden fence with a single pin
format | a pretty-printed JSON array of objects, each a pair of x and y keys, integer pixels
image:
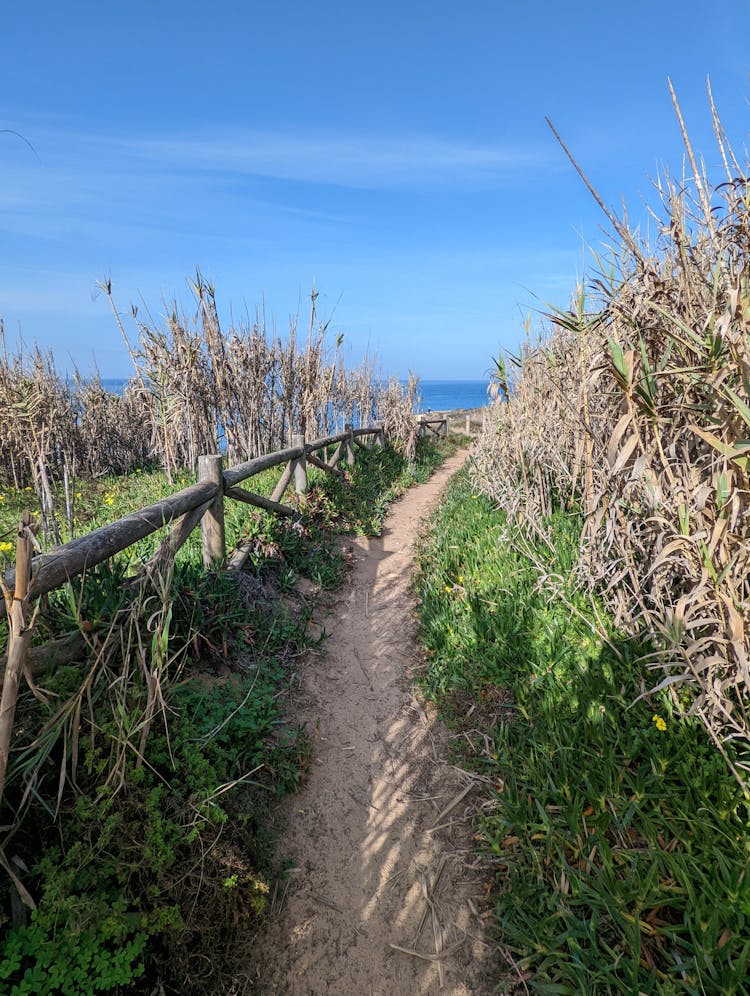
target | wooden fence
[
  {"x": 199, "y": 503},
  {"x": 203, "y": 503},
  {"x": 436, "y": 425},
  {"x": 441, "y": 424}
]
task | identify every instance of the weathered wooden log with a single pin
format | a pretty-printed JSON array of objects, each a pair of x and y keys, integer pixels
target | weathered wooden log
[
  {"x": 319, "y": 444},
  {"x": 311, "y": 458},
  {"x": 239, "y": 557},
  {"x": 212, "y": 524},
  {"x": 239, "y": 494},
  {"x": 337, "y": 454},
  {"x": 56, "y": 653},
  {"x": 53, "y": 569},
  {"x": 299, "y": 466},
  {"x": 278, "y": 491},
  {"x": 349, "y": 444},
  {"x": 242, "y": 471},
  {"x": 176, "y": 538}
]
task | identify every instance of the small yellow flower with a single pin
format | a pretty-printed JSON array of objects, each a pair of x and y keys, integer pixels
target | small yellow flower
[
  {"x": 660, "y": 723},
  {"x": 28, "y": 488},
  {"x": 460, "y": 579},
  {"x": 78, "y": 494},
  {"x": 6, "y": 547},
  {"x": 475, "y": 496}
]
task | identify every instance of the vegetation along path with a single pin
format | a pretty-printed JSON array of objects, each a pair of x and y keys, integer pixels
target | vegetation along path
[{"x": 383, "y": 897}]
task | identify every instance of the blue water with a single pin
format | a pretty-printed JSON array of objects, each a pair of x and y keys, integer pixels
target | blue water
[
  {"x": 436, "y": 395},
  {"x": 445, "y": 395},
  {"x": 112, "y": 385}
]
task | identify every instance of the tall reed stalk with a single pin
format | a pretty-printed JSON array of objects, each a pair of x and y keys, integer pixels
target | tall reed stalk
[{"x": 634, "y": 407}]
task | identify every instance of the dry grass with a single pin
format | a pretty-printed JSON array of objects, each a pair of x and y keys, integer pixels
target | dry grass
[
  {"x": 196, "y": 388},
  {"x": 635, "y": 409}
]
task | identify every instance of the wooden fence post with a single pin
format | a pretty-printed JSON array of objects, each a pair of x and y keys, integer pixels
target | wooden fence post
[
  {"x": 19, "y": 638},
  {"x": 212, "y": 524},
  {"x": 349, "y": 444},
  {"x": 299, "y": 466},
  {"x": 468, "y": 425}
]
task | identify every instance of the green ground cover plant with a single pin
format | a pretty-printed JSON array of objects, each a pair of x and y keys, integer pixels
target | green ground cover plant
[
  {"x": 620, "y": 837},
  {"x": 135, "y": 817}
]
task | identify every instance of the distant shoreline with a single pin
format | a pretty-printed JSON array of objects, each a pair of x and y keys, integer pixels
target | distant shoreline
[{"x": 437, "y": 396}]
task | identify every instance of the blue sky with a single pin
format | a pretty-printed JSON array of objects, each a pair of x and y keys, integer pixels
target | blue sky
[{"x": 396, "y": 154}]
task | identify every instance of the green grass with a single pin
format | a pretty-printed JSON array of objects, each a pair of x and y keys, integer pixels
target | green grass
[
  {"x": 148, "y": 848},
  {"x": 620, "y": 840}
]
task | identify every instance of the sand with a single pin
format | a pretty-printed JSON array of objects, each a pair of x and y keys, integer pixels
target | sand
[{"x": 380, "y": 834}]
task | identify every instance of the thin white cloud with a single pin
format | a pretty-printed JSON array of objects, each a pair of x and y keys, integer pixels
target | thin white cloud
[{"x": 358, "y": 161}]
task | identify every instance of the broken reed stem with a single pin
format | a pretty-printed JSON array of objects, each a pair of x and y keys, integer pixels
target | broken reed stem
[
  {"x": 445, "y": 953},
  {"x": 427, "y": 892},
  {"x": 19, "y": 637}
]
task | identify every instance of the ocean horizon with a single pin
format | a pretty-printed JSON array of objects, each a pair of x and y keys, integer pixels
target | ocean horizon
[{"x": 434, "y": 395}]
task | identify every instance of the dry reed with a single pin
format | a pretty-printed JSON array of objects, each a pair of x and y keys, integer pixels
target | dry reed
[
  {"x": 635, "y": 409},
  {"x": 197, "y": 388}
]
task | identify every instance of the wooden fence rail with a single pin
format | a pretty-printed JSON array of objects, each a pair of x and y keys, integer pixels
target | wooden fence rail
[
  {"x": 199, "y": 503},
  {"x": 468, "y": 423},
  {"x": 438, "y": 426}
]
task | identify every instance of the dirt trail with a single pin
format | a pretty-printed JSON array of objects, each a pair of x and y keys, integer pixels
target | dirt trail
[{"x": 360, "y": 832}]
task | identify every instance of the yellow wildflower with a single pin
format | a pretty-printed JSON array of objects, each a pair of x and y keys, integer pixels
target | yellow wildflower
[
  {"x": 6, "y": 547},
  {"x": 460, "y": 579},
  {"x": 448, "y": 588},
  {"x": 660, "y": 723}
]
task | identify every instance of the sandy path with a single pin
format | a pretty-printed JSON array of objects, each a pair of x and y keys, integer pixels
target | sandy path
[{"x": 359, "y": 831}]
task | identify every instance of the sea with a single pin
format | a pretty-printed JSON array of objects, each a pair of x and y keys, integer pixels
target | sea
[
  {"x": 445, "y": 395},
  {"x": 434, "y": 395}
]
